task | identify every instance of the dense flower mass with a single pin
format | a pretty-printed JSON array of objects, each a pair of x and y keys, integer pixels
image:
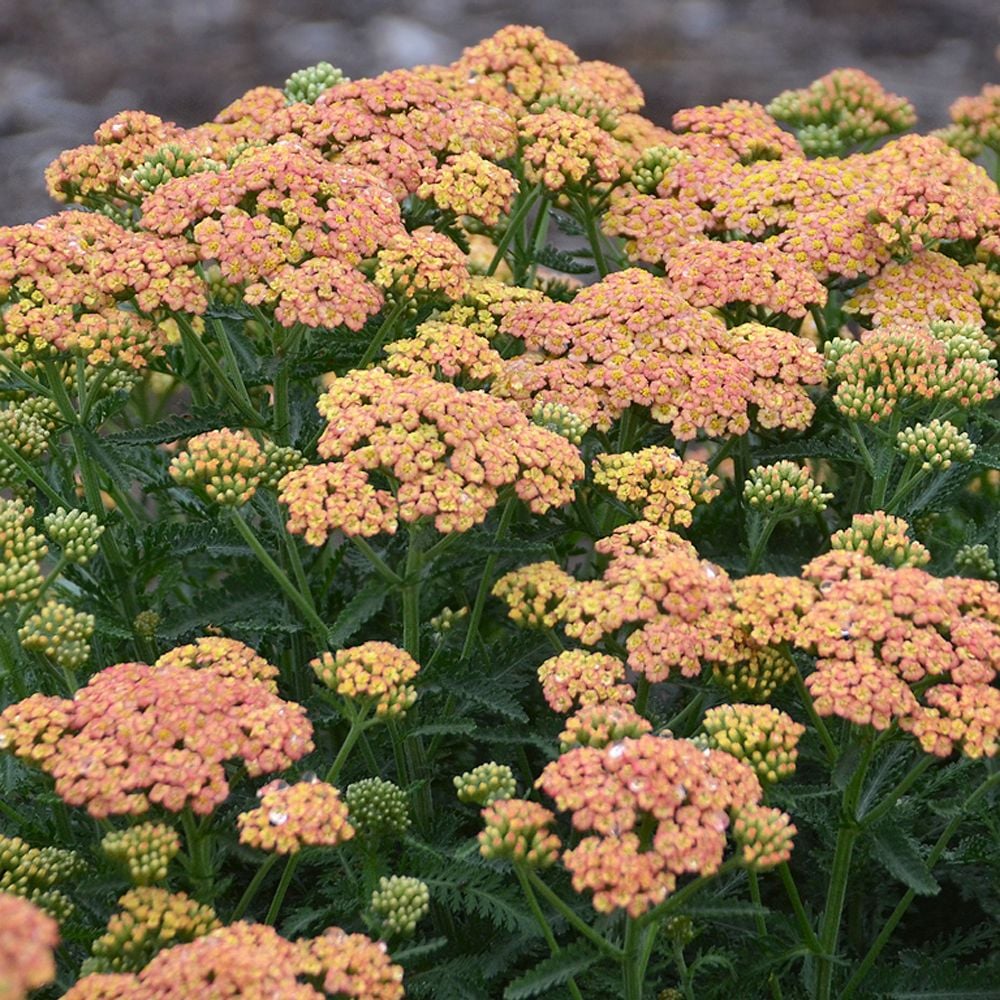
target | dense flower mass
[
  {"x": 378, "y": 672},
  {"x": 27, "y": 939},
  {"x": 138, "y": 736},
  {"x": 449, "y": 453},
  {"x": 878, "y": 633},
  {"x": 627, "y": 863},
  {"x": 578, "y": 677},
  {"x": 290, "y": 817}
]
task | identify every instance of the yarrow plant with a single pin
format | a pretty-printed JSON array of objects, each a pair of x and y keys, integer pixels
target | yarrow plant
[{"x": 461, "y": 538}]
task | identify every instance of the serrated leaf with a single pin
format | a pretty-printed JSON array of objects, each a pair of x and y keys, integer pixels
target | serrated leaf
[
  {"x": 900, "y": 858},
  {"x": 846, "y": 767},
  {"x": 561, "y": 260},
  {"x": 360, "y": 609},
  {"x": 416, "y": 951},
  {"x": 552, "y": 971},
  {"x": 202, "y": 419},
  {"x": 456, "y": 727},
  {"x": 567, "y": 223}
]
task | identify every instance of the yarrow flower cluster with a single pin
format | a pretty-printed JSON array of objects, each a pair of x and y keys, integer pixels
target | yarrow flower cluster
[
  {"x": 450, "y": 452},
  {"x": 601, "y": 724},
  {"x": 136, "y": 736},
  {"x": 517, "y": 830},
  {"x": 150, "y": 920},
  {"x": 879, "y": 632},
  {"x": 783, "y": 490},
  {"x": 59, "y": 632},
  {"x": 225, "y": 657},
  {"x": 145, "y": 850},
  {"x": 633, "y": 339},
  {"x": 689, "y": 795},
  {"x": 663, "y": 488},
  {"x": 290, "y": 817},
  {"x": 534, "y": 593},
  {"x": 400, "y": 902},
  {"x": 377, "y": 808},
  {"x": 486, "y": 784},
  {"x": 935, "y": 444},
  {"x": 22, "y": 548},
  {"x": 76, "y": 532},
  {"x": 759, "y": 735},
  {"x": 578, "y": 678},
  {"x": 225, "y": 465},
  {"x": 376, "y": 672},
  {"x": 883, "y": 537},
  {"x": 27, "y": 940},
  {"x": 35, "y": 872}
]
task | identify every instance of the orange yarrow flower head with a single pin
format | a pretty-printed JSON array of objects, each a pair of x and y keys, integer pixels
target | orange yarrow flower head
[
  {"x": 743, "y": 129},
  {"x": 421, "y": 266},
  {"x": 764, "y": 835},
  {"x": 446, "y": 351},
  {"x": 654, "y": 809},
  {"x": 601, "y": 724},
  {"x": 576, "y": 678},
  {"x": 224, "y": 465},
  {"x": 449, "y": 453},
  {"x": 137, "y": 735},
  {"x": 468, "y": 184},
  {"x": 226, "y": 657},
  {"x": 978, "y": 118},
  {"x": 308, "y": 813},
  {"x": 664, "y": 489},
  {"x": 517, "y": 830},
  {"x": 374, "y": 672},
  {"x": 533, "y": 593},
  {"x": 27, "y": 940},
  {"x": 878, "y": 631}
]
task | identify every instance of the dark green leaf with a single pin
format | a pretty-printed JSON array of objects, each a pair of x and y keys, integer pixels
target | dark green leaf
[
  {"x": 552, "y": 971},
  {"x": 894, "y": 849},
  {"x": 360, "y": 609}
]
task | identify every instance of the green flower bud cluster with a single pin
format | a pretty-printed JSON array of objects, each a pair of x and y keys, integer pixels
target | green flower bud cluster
[
  {"x": 225, "y": 465},
  {"x": 168, "y": 162},
  {"x": 963, "y": 340},
  {"x": 26, "y": 433},
  {"x": 756, "y": 678},
  {"x": 936, "y": 444},
  {"x": 976, "y": 561},
  {"x": 76, "y": 532},
  {"x": 21, "y": 548},
  {"x": 377, "y": 808},
  {"x": 962, "y": 138},
  {"x": 305, "y": 85},
  {"x": 560, "y": 420},
  {"x": 679, "y": 929},
  {"x": 583, "y": 105},
  {"x": 821, "y": 140},
  {"x": 59, "y": 632},
  {"x": 884, "y": 538},
  {"x": 400, "y": 902},
  {"x": 145, "y": 624},
  {"x": 784, "y": 489},
  {"x": 31, "y": 872},
  {"x": 145, "y": 850},
  {"x": 485, "y": 784},
  {"x": 220, "y": 291},
  {"x": 279, "y": 460},
  {"x": 653, "y": 165},
  {"x": 151, "y": 919},
  {"x": 446, "y": 620},
  {"x": 835, "y": 349}
]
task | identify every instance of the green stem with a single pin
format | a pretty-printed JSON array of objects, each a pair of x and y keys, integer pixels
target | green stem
[
  {"x": 840, "y": 872},
  {"x": 543, "y": 924},
  {"x": 631, "y": 973},
  {"x": 642, "y": 690},
  {"x": 905, "y": 489},
  {"x": 760, "y": 543},
  {"x": 806, "y": 932},
  {"x": 411, "y": 594},
  {"x": 251, "y": 890},
  {"x": 230, "y": 355},
  {"x": 904, "y": 904},
  {"x": 866, "y": 455},
  {"x": 598, "y": 940},
  {"x": 304, "y": 605},
  {"x": 32, "y": 475},
  {"x": 282, "y": 418},
  {"x": 761, "y": 925},
  {"x": 539, "y": 231},
  {"x": 358, "y": 725},
  {"x": 487, "y": 578},
  {"x": 279, "y": 894},
  {"x": 375, "y": 344},
  {"x": 199, "y": 854},
  {"x": 378, "y": 563},
  {"x": 194, "y": 343},
  {"x": 594, "y": 237},
  {"x": 807, "y": 703},
  {"x": 679, "y": 898},
  {"x": 514, "y": 223}
]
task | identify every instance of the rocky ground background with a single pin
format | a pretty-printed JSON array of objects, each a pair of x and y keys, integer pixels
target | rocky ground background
[{"x": 66, "y": 65}]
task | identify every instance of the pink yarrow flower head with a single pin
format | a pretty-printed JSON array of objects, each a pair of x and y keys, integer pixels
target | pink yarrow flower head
[
  {"x": 138, "y": 736},
  {"x": 27, "y": 940}
]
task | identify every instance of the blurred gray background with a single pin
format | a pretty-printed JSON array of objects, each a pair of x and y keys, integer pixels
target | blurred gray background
[{"x": 66, "y": 65}]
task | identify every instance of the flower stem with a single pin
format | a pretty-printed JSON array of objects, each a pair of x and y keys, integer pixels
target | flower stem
[
  {"x": 901, "y": 788},
  {"x": 514, "y": 223},
  {"x": 807, "y": 703},
  {"x": 904, "y": 904},
  {"x": 601, "y": 942},
  {"x": 378, "y": 563},
  {"x": 251, "y": 890},
  {"x": 279, "y": 894},
  {"x": 806, "y": 932},
  {"x": 375, "y": 344},
  {"x": 840, "y": 872},
  {"x": 546, "y": 929},
  {"x": 487, "y": 578},
  {"x": 318, "y": 627}
]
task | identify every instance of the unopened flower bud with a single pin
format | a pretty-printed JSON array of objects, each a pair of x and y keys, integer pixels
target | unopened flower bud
[
  {"x": 145, "y": 850},
  {"x": 653, "y": 165},
  {"x": 884, "y": 538},
  {"x": 976, "y": 561},
  {"x": 305, "y": 85},
  {"x": 400, "y": 902},
  {"x": 486, "y": 784},
  {"x": 784, "y": 489},
  {"x": 937, "y": 444},
  {"x": 225, "y": 465},
  {"x": 561, "y": 420},
  {"x": 60, "y": 633},
  {"x": 76, "y": 532},
  {"x": 377, "y": 808}
]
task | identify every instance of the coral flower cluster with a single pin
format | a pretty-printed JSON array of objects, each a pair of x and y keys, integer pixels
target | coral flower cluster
[
  {"x": 652, "y": 810},
  {"x": 632, "y": 338},
  {"x": 27, "y": 940},
  {"x": 898, "y": 645},
  {"x": 138, "y": 736},
  {"x": 377, "y": 672},
  {"x": 448, "y": 452},
  {"x": 254, "y": 961},
  {"x": 309, "y": 813}
]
